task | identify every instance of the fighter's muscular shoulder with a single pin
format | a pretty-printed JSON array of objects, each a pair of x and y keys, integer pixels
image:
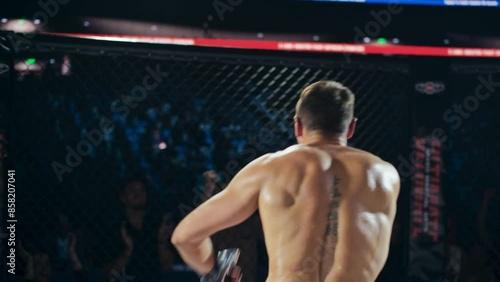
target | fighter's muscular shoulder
[
  {"x": 363, "y": 169},
  {"x": 363, "y": 165}
]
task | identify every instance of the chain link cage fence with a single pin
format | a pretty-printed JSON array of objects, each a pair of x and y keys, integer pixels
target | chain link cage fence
[
  {"x": 5, "y": 85},
  {"x": 471, "y": 192},
  {"x": 90, "y": 120}
]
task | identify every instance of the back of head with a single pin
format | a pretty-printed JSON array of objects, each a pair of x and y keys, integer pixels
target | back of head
[{"x": 326, "y": 107}]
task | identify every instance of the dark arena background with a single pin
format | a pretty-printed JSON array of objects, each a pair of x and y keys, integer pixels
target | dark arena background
[{"x": 180, "y": 95}]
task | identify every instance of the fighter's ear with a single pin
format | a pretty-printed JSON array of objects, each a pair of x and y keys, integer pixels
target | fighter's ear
[
  {"x": 298, "y": 127},
  {"x": 352, "y": 127}
]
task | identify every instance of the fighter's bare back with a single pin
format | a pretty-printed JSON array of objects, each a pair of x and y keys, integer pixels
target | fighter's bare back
[
  {"x": 327, "y": 213},
  {"x": 327, "y": 210}
]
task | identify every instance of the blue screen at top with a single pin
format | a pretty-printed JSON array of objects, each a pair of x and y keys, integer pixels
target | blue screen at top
[{"x": 475, "y": 3}]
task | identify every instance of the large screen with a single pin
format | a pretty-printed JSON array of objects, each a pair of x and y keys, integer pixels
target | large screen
[{"x": 481, "y": 3}]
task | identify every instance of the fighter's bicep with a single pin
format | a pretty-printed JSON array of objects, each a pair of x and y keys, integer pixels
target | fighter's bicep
[
  {"x": 222, "y": 211},
  {"x": 228, "y": 208},
  {"x": 234, "y": 205}
]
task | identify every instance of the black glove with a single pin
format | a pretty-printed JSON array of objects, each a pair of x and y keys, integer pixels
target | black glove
[{"x": 224, "y": 263}]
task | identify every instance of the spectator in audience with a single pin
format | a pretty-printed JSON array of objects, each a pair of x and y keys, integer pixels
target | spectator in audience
[
  {"x": 53, "y": 255},
  {"x": 143, "y": 247},
  {"x": 454, "y": 252},
  {"x": 489, "y": 230},
  {"x": 59, "y": 239},
  {"x": 211, "y": 185},
  {"x": 37, "y": 262},
  {"x": 39, "y": 266},
  {"x": 476, "y": 266}
]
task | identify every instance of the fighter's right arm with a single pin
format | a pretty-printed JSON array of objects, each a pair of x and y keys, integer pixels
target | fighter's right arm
[
  {"x": 228, "y": 208},
  {"x": 365, "y": 225}
]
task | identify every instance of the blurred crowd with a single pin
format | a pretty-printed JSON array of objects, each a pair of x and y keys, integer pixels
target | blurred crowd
[
  {"x": 115, "y": 213},
  {"x": 118, "y": 209},
  {"x": 155, "y": 165},
  {"x": 171, "y": 142},
  {"x": 473, "y": 199},
  {"x": 135, "y": 246}
]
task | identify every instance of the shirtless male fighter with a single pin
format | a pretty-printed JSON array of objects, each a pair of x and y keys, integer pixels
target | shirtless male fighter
[{"x": 327, "y": 210}]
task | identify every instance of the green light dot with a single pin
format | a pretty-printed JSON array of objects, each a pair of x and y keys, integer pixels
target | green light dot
[
  {"x": 21, "y": 21},
  {"x": 30, "y": 61},
  {"x": 381, "y": 41}
]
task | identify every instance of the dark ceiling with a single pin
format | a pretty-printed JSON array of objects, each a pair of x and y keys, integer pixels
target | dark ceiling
[{"x": 422, "y": 24}]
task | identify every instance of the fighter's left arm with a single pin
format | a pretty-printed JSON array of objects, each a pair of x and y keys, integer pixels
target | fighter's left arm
[{"x": 228, "y": 208}]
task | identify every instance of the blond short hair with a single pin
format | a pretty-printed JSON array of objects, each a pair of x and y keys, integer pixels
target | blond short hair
[{"x": 327, "y": 107}]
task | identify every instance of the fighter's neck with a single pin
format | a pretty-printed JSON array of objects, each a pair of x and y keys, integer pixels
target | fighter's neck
[{"x": 319, "y": 139}]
